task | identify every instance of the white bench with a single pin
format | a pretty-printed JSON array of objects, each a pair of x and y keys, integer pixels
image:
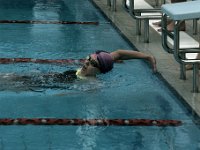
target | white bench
[
  {"x": 142, "y": 11},
  {"x": 179, "y": 12}
]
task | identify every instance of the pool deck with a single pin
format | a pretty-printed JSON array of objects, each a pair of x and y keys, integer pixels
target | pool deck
[{"x": 166, "y": 64}]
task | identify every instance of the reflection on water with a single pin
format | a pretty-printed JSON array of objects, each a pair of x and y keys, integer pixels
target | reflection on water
[{"x": 10, "y": 4}]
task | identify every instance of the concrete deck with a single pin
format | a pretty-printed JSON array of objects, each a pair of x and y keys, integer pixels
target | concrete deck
[{"x": 166, "y": 63}]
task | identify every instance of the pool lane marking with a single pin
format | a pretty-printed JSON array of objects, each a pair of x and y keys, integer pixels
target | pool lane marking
[
  {"x": 89, "y": 122},
  {"x": 49, "y": 22},
  {"x": 42, "y": 61}
]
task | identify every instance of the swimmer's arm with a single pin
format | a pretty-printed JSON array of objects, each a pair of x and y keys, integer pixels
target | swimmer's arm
[{"x": 130, "y": 54}]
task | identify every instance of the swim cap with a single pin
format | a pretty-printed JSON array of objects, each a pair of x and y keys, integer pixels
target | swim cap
[{"x": 105, "y": 61}]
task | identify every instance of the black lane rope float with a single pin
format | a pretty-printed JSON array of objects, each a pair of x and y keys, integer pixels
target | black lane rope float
[
  {"x": 90, "y": 122},
  {"x": 49, "y": 22},
  {"x": 42, "y": 61}
]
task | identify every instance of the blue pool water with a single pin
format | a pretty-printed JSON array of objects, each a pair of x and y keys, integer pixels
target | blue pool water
[{"x": 130, "y": 90}]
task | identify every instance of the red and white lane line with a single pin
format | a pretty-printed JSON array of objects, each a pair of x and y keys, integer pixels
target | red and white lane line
[
  {"x": 49, "y": 22},
  {"x": 90, "y": 122},
  {"x": 42, "y": 61}
]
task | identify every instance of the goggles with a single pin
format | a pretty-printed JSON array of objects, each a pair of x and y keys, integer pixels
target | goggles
[{"x": 92, "y": 61}]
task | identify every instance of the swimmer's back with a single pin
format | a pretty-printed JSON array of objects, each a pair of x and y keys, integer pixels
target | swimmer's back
[{"x": 65, "y": 77}]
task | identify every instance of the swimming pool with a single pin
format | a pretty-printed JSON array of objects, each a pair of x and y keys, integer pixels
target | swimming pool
[{"x": 129, "y": 91}]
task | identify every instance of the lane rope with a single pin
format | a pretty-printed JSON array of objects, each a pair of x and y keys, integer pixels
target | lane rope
[
  {"x": 49, "y": 22},
  {"x": 90, "y": 122},
  {"x": 42, "y": 61},
  {"x": 45, "y": 61}
]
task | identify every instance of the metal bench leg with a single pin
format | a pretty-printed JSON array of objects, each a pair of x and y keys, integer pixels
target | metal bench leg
[
  {"x": 146, "y": 30},
  {"x": 195, "y": 78},
  {"x": 165, "y": 35},
  {"x": 182, "y": 72},
  {"x": 176, "y": 49},
  {"x": 138, "y": 27},
  {"x": 114, "y": 5},
  {"x": 157, "y": 2},
  {"x": 195, "y": 26},
  {"x": 183, "y": 69},
  {"x": 109, "y": 3}
]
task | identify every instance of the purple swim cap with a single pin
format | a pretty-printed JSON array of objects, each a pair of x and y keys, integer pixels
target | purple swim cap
[{"x": 105, "y": 61}]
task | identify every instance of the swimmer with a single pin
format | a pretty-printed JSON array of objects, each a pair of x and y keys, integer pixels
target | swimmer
[
  {"x": 99, "y": 62},
  {"x": 102, "y": 61},
  {"x": 96, "y": 63}
]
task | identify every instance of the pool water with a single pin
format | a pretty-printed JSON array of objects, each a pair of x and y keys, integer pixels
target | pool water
[{"x": 130, "y": 90}]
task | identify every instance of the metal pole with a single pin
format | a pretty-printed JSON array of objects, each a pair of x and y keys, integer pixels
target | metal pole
[
  {"x": 195, "y": 78},
  {"x": 176, "y": 49},
  {"x": 114, "y": 5},
  {"x": 195, "y": 26},
  {"x": 146, "y": 30},
  {"x": 109, "y": 3}
]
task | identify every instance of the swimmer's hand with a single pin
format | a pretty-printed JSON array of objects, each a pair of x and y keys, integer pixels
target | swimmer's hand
[{"x": 152, "y": 61}]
